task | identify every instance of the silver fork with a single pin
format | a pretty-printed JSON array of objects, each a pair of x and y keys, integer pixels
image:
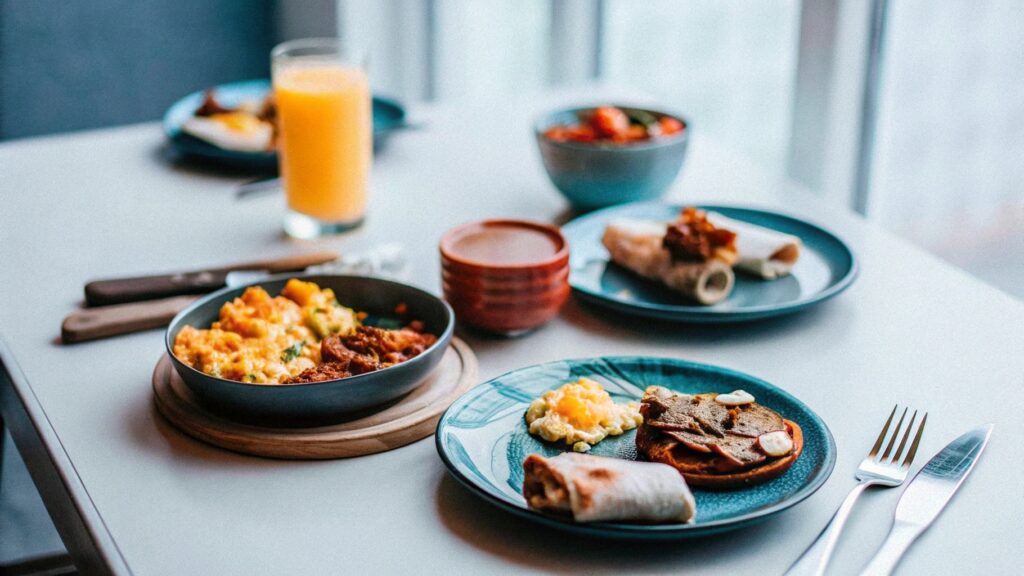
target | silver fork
[{"x": 874, "y": 470}]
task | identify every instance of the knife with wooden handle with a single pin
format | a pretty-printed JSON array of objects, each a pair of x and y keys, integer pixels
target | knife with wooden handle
[
  {"x": 122, "y": 290},
  {"x": 94, "y": 323}
]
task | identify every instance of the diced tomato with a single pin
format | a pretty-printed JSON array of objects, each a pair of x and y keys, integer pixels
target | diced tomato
[
  {"x": 670, "y": 125},
  {"x": 581, "y": 133},
  {"x": 577, "y": 133},
  {"x": 557, "y": 133},
  {"x": 635, "y": 133},
  {"x": 609, "y": 121},
  {"x": 610, "y": 124}
]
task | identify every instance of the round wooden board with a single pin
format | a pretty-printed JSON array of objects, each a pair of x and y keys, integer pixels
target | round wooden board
[{"x": 411, "y": 418}]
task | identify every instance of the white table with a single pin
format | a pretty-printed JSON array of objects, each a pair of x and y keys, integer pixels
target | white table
[{"x": 132, "y": 495}]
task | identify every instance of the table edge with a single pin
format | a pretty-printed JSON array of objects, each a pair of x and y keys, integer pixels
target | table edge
[{"x": 79, "y": 523}]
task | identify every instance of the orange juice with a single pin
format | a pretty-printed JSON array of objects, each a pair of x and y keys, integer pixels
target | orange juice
[{"x": 326, "y": 139}]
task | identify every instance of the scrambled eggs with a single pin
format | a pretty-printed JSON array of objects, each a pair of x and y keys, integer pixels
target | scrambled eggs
[
  {"x": 582, "y": 413},
  {"x": 266, "y": 340}
]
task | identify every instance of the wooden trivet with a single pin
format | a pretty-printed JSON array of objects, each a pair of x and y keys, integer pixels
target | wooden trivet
[{"x": 411, "y": 418}]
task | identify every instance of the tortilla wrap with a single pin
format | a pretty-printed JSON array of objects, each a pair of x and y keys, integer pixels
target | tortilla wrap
[
  {"x": 637, "y": 246},
  {"x": 761, "y": 251},
  {"x": 596, "y": 489}
]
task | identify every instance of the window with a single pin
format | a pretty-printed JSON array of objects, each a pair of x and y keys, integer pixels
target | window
[
  {"x": 947, "y": 160},
  {"x": 949, "y": 166}
]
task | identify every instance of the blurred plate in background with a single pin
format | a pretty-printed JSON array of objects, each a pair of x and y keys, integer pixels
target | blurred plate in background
[{"x": 387, "y": 116}]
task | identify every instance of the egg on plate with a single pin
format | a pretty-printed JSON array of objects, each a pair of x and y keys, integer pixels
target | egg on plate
[
  {"x": 582, "y": 414},
  {"x": 238, "y": 130}
]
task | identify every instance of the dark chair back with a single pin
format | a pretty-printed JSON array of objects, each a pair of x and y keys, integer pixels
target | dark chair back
[{"x": 76, "y": 65}]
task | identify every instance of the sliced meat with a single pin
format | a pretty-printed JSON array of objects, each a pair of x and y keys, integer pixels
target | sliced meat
[
  {"x": 727, "y": 461},
  {"x": 741, "y": 452},
  {"x": 698, "y": 413},
  {"x": 657, "y": 400},
  {"x": 691, "y": 441},
  {"x": 704, "y": 426},
  {"x": 753, "y": 420},
  {"x": 702, "y": 412}
]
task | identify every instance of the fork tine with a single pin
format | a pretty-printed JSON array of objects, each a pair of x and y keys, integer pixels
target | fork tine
[
  {"x": 903, "y": 442},
  {"x": 892, "y": 440},
  {"x": 881, "y": 437},
  {"x": 913, "y": 445}
]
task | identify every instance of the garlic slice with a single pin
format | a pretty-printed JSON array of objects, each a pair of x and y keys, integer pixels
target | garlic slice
[
  {"x": 735, "y": 398},
  {"x": 776, "y": 443}
]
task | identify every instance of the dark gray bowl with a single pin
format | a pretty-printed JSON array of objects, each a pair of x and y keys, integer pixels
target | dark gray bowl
[
  {"x": 320, "y": 402},
  {"x": 597, "y": 175}
]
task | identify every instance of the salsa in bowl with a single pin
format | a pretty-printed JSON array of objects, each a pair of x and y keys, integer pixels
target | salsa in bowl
[{"x": 604, "y": 155}]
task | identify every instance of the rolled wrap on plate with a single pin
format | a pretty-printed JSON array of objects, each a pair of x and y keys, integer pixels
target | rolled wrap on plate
[
  {"x": 761, "y": 251},
  {"x": 637, "y": 245},
  {"x": 596, "y": 489}
]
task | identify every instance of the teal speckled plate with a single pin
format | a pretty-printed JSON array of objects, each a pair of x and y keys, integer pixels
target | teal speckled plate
[
  {"x": 826, "y": 268},
  {"x": 483, "y": 440}
]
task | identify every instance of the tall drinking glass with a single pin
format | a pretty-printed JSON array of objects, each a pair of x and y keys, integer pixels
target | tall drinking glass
[{"x": 326, "y": 135}]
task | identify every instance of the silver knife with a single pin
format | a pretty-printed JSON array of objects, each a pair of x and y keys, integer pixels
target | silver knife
[
  {"x": 385, "y": 261},
  {"x": 926, "y": 496}
]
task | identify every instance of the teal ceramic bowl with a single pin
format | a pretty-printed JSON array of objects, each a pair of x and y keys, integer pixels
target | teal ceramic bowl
[
  {"x": 318, "y": 403},
  {"x": 598, "y": 175}
]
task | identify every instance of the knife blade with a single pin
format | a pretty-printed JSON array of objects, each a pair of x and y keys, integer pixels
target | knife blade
[
  {"x": 927, "y": 495},
  {"x": 385, "y": 261},
  {"x": 123, "y": 290}
]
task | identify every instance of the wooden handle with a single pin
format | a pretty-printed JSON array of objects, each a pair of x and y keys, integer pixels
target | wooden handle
[
  {"x": 122, "y": 290},
  {"x": 93, "y": 323}
]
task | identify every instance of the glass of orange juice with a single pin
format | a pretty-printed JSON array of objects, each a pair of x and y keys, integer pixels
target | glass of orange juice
[{"x": 325, "y": 141}]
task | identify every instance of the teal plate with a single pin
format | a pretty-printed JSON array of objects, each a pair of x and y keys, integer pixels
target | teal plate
[
  {"x": 388, "y": 115},
  {"x": 826, "y": 268},
  {"x": 483, "y": 439}
]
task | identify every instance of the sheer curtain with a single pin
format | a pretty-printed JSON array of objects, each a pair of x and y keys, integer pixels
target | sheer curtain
[
  {"x": 777, "y": 80},
  {"x": 486, "y": 49},
  {"x": 728, "y": 65},
  {"x": 950, "y": 153}
]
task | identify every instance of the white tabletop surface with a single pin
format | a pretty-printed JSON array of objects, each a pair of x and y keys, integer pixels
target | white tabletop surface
[{"x": 107, "y": 203}]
